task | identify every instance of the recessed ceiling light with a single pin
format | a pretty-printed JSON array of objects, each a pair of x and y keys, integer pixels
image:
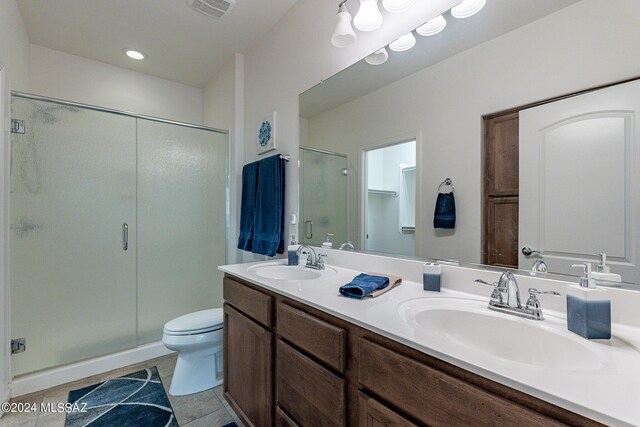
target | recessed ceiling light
[{"x": 134, "y": 54}]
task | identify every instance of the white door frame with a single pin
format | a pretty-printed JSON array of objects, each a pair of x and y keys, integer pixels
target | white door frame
[
  {"x": 363, "y": 184},
  {"x": 5, "y": 289}
]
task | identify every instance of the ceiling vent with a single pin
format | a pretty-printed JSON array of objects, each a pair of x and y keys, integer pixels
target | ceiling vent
[{"x": 212, "y": 8}]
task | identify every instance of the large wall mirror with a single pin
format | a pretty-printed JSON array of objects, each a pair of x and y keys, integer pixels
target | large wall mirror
[{"x": 480, "y": 113}]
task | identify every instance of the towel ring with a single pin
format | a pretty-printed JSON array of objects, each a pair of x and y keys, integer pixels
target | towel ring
[{"x": 446, "y": 182}]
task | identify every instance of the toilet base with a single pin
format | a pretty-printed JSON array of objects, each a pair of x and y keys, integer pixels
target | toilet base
[{"x": 196, "y": 371}]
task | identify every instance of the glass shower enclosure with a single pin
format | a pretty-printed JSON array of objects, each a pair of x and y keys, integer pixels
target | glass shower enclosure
[
  {"x": 323, "y": 196},
  {"x": 118, "y": 224}
]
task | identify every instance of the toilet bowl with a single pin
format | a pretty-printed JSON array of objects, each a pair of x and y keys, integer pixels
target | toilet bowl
[{"x": 197, "y": 337}]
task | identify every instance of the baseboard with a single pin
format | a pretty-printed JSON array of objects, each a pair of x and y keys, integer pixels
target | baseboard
[{"x": 57, "y": 376}]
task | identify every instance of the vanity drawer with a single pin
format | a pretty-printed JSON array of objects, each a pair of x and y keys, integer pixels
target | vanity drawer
[
  {"x": 374, "y": 414},
  {"x": 311, "y": 394},
  {"x": 283, "y": 420},
  {"x": 253, "y": 303},
  {"x": 434, "y": 397},
  {"x": 317, "y": 337}
]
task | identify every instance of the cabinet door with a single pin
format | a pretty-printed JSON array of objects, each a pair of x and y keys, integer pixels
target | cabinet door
[
  {"x": 374, "y": 414},
  {"x": 311, "y": 394},
  {"x": 248, "y": 381}
]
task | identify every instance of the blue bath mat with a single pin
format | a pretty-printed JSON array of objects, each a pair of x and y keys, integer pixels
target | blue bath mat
[{"x": 137, "y": 399}]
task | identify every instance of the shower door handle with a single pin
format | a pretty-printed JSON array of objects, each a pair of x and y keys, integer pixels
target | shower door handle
[
  {"x": 125, "y": 236},
  {"x": 310, "y": 234}
]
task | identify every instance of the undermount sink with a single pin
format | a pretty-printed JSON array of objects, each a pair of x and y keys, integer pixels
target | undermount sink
[
  {"x": 282, "y": 271},
  {"x": 469, "y": 324}
]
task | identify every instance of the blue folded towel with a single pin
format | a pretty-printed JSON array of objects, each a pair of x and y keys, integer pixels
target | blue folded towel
[
  {"x": 362, "y": 285},
  {"x": 445, "y": 212},
  {"x": 248, "y": 205},
  {"x": 268, "y": 220}
]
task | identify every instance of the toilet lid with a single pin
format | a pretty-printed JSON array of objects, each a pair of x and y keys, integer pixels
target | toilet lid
[{"x": 200, "y": 320}]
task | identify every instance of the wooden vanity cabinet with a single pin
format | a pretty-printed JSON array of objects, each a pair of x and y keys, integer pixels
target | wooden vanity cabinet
[
  {"x": 248, "y": 353},
  {"x": 288, "y": 364}
]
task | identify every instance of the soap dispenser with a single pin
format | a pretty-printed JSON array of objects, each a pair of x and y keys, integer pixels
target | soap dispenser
[
  {"x": 328, "y": 244},
  {"x": 292, "y": 252},
  {"x": 603, "y": 272},
  {"x": 588, "y": 308}
]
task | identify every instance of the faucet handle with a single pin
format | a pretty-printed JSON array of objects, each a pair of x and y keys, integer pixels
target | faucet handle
[
  {"x": 496, "y": 295},
  {"x": 534, "y": 291},
  {"x": 533, "y": 304},
  {"x": 320, "y": 260}
]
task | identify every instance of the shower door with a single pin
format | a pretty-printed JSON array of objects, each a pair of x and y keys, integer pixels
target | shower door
[
  {"x": 323, "y": 197},
  {"x": 182, "y": 186},
  {"x": 73, "y": 203}
]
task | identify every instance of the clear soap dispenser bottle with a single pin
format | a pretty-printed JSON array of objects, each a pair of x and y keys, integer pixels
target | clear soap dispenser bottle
[
  {"x": 327, "y": 241},
  {"x": 588, "y": 307},
  {"x": 603, "y": 272}
]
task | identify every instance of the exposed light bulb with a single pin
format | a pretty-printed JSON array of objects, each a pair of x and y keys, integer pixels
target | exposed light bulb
[
  {"x": 378, "y": 57},
  {"x": 343, "y": 34},
  {"x": 432, "y": 27},
  {"x": 467, "y": 8},
  {"x": 368, "y": 17},
  {"x": 397, "y": 6},
  {"x": 405, "y": 42}
]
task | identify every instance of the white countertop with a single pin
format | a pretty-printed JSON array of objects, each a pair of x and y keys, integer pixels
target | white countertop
[{"x": 610, "y": 394}]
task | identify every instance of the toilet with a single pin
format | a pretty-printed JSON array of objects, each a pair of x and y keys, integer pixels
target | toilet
[{"x": 197, "y": 337}]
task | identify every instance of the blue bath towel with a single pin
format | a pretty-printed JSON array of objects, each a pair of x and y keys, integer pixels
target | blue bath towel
[
  {"x": 445, "y": 212},
  {"x": 268, "y": 222},
  {"x": 248, "y": 205},
  {"x": 362, "y": 285}
]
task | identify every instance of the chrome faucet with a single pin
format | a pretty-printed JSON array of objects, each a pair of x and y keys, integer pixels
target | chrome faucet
[
  {"x": 508, "y": 286},
  {"x": 315, "y": 261},
  {"x": 347, "y": 246},
  {"x": 539, "y": 267}
]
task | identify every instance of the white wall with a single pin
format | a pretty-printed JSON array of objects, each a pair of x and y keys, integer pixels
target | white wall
[
  {"x": 224, "y": 109},
  {"x": 296, "y": 55},
  {"x": 584, "y": 45},
  {"x": 61, "y": 75},
  {"x": 14, "y": 46}
]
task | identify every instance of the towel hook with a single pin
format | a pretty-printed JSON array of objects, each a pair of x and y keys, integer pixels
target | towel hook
[
  {"x": 446, "y": 182},
  {"x": 285, "y": 157}
]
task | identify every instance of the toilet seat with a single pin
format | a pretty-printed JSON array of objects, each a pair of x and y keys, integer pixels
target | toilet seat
[{"x": 200, "y": 322}]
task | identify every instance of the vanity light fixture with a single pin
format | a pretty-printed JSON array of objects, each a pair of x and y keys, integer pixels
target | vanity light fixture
[
  {"x": 404, "y": 43},
  {"x": 134, "y": 54},
  {"x": 467, "y": 8},
  {"x": 378, "y": 57},
  {"x": 368, "y": 17},
  {"x": 432, "y": 27},
  {"x": 397, "y": 6},
  {"x": 343, "y": 34}
]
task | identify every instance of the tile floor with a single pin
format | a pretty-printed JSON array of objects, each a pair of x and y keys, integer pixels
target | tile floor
[{"x": 206, "y": 409}]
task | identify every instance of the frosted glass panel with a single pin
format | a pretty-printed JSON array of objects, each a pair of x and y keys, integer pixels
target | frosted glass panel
[
  {"x": 72, "y": 188},
  {"x": 182, "y": 181},
  {"x": 323, "y": 197}
]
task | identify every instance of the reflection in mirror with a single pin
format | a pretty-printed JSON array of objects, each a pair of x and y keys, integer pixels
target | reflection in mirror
[
  {"x": 472, "y": 95},
  {"x": 323, "y": 197},
  {"x": 390, "y": 199}
]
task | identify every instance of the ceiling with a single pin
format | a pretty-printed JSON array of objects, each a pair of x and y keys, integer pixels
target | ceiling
[
  {"x": 496, "y": 18},
  {"x": 182, "y": 45}
]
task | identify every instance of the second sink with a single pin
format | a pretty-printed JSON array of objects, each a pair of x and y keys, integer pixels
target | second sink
[
  {"x": 281, "y": 271},
  {"x": 469, "y": 324}
]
